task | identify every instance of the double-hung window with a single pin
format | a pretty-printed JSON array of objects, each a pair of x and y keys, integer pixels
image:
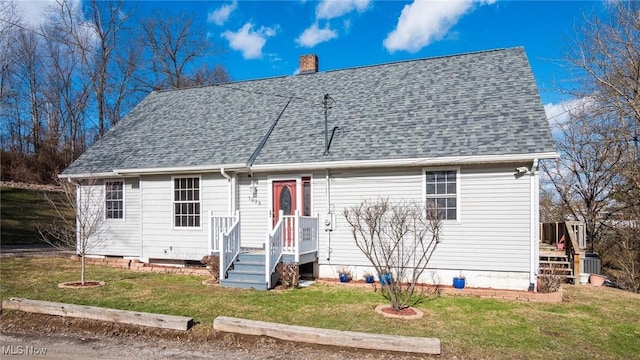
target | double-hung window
[
  {"x": 442, "y": 193},
  {"x": 186, "y": 202},
  {"x": 114, "y": 199}
]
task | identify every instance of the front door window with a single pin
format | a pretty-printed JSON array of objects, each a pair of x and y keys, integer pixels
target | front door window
[{"x": 284, "y": 198}]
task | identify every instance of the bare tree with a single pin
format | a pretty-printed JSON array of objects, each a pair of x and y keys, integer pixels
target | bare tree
[
  {"x": 586, "y": 174},
  {"x": 80, "y": 220},
  {"x": 99, "y": 36},
  {"x": 176, "y": 44},
  {"x": 397, "y": 239},
  {"x": 598, "y": 176}
]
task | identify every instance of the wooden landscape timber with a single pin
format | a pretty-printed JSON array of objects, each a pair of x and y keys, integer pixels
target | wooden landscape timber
[
  {"x": 318, "y": 336},
  {"x": 98, "y": 313}
]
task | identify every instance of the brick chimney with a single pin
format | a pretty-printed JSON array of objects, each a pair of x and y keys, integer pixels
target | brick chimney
[{"x": 308, "y": 64}]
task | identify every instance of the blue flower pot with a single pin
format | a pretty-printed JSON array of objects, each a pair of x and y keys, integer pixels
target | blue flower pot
[
  {"x": 368, "y": 279},
  {"x": 385, "y": 279},
  {"x": 458, "y": 282},
  {"x": 344, "y": 278}
]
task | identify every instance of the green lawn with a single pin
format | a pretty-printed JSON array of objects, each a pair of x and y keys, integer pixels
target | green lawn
[
  {"x": 590, "y": 323},
  {"x": 20, "y": 212}
]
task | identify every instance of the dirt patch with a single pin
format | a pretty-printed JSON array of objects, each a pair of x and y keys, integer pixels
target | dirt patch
[
  {"x": 406, "y": 313},
  {"x": 211, "y": 282},
  {"x": 79, "y": 285}
]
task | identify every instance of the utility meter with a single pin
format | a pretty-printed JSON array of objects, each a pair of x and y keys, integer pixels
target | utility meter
[{"x": 330, "y": 222}]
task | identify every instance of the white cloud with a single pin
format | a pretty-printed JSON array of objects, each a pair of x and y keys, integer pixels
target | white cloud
[
  {"x": 249, "y": 41},
  {"x": 331, "y": 9},
  {"x": 559, "y": 114},
  {"x": 35, "y": 11},
  {"x": 313, "y": 35},
  {"x": 220, "y": 15},
  {"x": 327, "y": 10},
  {"x": 424, "y": 22}
]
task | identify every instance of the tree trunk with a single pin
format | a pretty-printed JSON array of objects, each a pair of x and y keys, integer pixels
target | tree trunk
[{"x": 82, "y": 270}]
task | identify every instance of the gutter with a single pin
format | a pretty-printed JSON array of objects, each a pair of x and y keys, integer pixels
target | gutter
[
  {"x": 321, "y": 165},
  {"x": 180, "y": 170},
  {"x": 429, "y": 161}
]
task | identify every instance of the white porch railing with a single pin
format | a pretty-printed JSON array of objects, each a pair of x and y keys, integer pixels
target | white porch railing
[
  {"x": 274, "y": 247},
  {"x": 224, "y": 239},
  {"x": 293, "y": 235},
  {"x": 219, "y": 226},
  {"x": 306, "y": 240}
]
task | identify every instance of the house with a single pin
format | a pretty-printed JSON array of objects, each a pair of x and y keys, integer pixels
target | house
[{"x": 213, "y": 169}]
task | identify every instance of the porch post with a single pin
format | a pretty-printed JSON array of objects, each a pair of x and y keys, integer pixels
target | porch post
[
  {"x": 210, "y": 232},
  {"x": 317, "y": 235},
  {"x": 296, "y": 236}
]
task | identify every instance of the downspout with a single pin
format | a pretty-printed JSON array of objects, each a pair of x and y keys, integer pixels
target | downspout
[
  {"x": 230, "y": 192},
  {"x": 534, "y": 249},
  {"x": 328, "y": 193}
]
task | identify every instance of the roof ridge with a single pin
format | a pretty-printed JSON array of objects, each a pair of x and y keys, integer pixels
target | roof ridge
[
  {"x": 227, "y": 84},
  {"x": 435, "y": 57}
]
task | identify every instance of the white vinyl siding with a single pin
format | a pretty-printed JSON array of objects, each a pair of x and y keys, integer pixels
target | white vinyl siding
[
  {"x": 254, "y": 212},
  {"x": 491, "y": 234},
  {"x": 122, "y": 237},
  {"x": 494, "y": 234},
  {"x": 161, "y": 240},
  {"x": 350, "y": 188}
]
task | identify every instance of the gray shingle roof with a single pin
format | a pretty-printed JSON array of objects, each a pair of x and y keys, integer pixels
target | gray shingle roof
[{"x": 484, "y": 103}]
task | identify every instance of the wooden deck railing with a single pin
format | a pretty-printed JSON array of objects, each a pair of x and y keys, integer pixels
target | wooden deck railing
[
  {"x": 573, "y": 251},
  {"x": 568, "y": 236}
]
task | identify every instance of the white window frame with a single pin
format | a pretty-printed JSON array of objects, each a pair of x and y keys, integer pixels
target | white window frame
[
  {"x": 425, "y": 196},
  {"x": 174, "y": 202},
  {"x": 106, "y": 190}
]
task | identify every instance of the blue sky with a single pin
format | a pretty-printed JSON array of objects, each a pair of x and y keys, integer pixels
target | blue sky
[
  {"x": 346, "y": 33},
  {"x": 265, "y": 38}
]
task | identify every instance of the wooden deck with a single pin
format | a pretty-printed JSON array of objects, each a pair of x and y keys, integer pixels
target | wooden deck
[{"x": 552, "y": 253}]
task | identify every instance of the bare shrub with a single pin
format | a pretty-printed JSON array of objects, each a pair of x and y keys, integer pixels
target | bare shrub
[
  {"x": 212, "y": 262},
  {"x": 398, "y": 239},
  {"x": 620, "y": 252},
  {"x": 551, "y": 279},
  {"x": 289, "y": 274}
]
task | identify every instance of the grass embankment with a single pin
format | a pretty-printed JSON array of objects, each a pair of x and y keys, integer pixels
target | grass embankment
[
  {"x": 21, "y": 210},
  {"x": 590, "y": 323}
]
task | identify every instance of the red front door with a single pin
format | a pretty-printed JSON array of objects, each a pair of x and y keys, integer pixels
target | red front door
[{"x": 284, "y": 198}]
